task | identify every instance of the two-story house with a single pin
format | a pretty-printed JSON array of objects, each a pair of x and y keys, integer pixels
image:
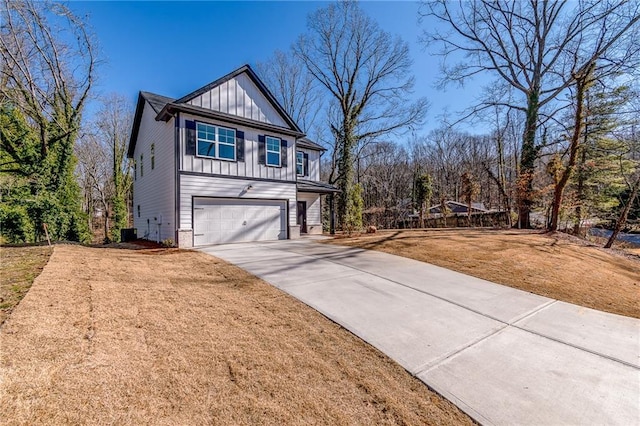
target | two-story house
[{"x": 223, "y": 164}]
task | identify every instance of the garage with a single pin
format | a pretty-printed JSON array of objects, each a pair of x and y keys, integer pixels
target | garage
[{"x": 229, "y": 220}]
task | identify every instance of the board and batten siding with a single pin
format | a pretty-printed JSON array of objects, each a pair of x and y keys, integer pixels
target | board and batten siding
[
  {"x": 207, "y": 186},
  {"x": 154, "y": 192},
  {"x": 248, "y": 168},
  {"x": 314, "y": 211},
  {"x": 314, "y": 164},
  {"x": 240, "y": 96}
]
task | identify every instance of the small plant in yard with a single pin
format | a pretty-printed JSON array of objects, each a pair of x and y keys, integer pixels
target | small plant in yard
[{"x": 168, "y": 242}]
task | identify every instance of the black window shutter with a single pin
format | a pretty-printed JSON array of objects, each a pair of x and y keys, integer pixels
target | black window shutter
[
  {"x": 305, "y": 167},
  {"x": 262, "y": 150},
  {"x": 191, "y": 137},
  {"x": 283, "y": 153},
  {"x": 239, "y": 145}
]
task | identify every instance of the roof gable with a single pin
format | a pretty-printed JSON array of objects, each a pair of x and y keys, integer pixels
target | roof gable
[
  {"x": 157, "y": 103},
  {"x": 241, "y": 93}
]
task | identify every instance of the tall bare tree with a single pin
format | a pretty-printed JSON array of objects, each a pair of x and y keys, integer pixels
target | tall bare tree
[
  {"x": 534, "y": 47},
  {"x": 104, "y": 169},
  {"x": 114, "y": 124},
  {"x": 366, "y": 72},
  {"x": 47, "y": 67},
  {"x": 293, "y": 86},
  {"x": 95, "y": 177}
]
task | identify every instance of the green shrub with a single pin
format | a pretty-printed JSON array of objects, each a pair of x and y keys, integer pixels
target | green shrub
[{"x": 15, "y": 225}]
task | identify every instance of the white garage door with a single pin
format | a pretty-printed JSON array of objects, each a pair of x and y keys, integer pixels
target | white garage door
[{"x": 218, "y": 221}]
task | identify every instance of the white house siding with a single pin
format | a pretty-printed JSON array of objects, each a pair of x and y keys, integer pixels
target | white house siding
[
  {"x": 207, "y": 186},
  {"x": 240, "y": 96},
  {"x": 154, "y": 192},
  {"x": 314, "y": 164},
  {"x": 248, "y": 168},
  {"x": 314, "y": 212}
]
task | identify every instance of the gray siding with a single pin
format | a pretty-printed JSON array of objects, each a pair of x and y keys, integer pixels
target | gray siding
[
  {"x": 206, "y": 186},
  {"x": 154, "y": 192},
  {"x": 314, "y": 164},
  {"x": 239, "y": 96},
  {"x": 248, "y": 168},
  {"x": 314, "y": 216}
]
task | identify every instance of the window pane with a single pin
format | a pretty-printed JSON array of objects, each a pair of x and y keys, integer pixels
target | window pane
[
  {"x": 227, "y": 151},
  {"x": 273, "y": 159},
  {"x": 299, "y": 169},
  {"x": 273, "y": 144},
  {"x": 207, "y": 149},
  {"x": 227, "y": 136}
]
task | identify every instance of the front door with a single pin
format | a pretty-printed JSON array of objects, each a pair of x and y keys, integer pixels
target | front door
[{"x": 302, "y": 216}]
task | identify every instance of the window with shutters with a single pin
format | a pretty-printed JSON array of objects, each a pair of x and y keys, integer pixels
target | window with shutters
[
  {"x": 215, "y": 142},
  {"x": 273, "y": 151},
  {"x": 300, "y": 163}
]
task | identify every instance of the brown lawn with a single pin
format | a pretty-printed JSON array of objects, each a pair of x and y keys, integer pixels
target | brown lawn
[
  {"x": 555, "y": 266},
  {"x": 19, "y": 266},
  {"x": 164, "y": 336}
]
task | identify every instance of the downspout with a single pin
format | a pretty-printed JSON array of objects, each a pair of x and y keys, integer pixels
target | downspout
[{"x": 177, "y": 176}]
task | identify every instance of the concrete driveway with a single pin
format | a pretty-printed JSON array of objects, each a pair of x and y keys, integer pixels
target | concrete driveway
[{"x": 502, "y": 355}]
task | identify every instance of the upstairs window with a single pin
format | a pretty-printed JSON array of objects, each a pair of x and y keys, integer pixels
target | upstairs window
[
  {"x": 215, "y": 142},
  {"x": 141, "y": 166},
  {"x": 153, "y": 156},
  {"x": 299, "y": 163},
  {"x": 135, "y": 170},
  {"x": 273, "y": 151}
]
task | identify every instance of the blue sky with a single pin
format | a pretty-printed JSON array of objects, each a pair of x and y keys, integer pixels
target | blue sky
[{"x": 173, "y": 48}]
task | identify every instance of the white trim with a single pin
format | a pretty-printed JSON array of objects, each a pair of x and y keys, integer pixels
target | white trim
[
  {"x": 301, "y": 165},
  {"x": 267, "y": 151}
]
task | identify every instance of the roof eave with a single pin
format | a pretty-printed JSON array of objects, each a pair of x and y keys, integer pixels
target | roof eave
[
  {"x": 304, "y": 145},
  {"x": 135, "y": 128}
]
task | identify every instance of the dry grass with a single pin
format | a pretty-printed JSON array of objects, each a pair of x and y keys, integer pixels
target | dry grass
[
  {"x": 19, "y": 266},
  {"x": 112, "y": 336},
  {"x": 555, "y": 266}
]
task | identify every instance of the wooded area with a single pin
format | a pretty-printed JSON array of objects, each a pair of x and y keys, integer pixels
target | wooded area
[{"x": 558, "y": 129}]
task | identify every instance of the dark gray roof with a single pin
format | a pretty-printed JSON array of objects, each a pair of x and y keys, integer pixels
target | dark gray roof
[
  {"x": 316, "y": 187},
  {"x": 157, "y": 102},
  {"x": 309, "y": 144},
  {"x": 474, "y": 206}
]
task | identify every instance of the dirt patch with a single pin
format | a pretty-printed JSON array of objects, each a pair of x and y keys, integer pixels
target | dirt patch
[
  {"x": 555, "y": 265},
  {"x": 134, "y": 337},
  {"x": 19, "y": 266}
]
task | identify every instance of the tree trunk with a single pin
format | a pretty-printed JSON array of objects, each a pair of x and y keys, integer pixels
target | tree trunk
[
  {"x": 527, "y": 161},
  {"x": 580, "y": 192},
  {"x": 625, "y": 212},
  {"x": 582, "y": 82},
  {"x": 502, "y": 180}
]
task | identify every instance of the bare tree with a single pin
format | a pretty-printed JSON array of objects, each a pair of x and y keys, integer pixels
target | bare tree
[
  {"x": 46, "y": 76},
  {"x": 293, "y": 86},
  {"x": 366, "y": 72},
  {"x": 536, "y": 48},
  {"x": 94, "y": 172},
  {"x": 113, "y": 124},
  {"x": 47, "y": 67}
]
